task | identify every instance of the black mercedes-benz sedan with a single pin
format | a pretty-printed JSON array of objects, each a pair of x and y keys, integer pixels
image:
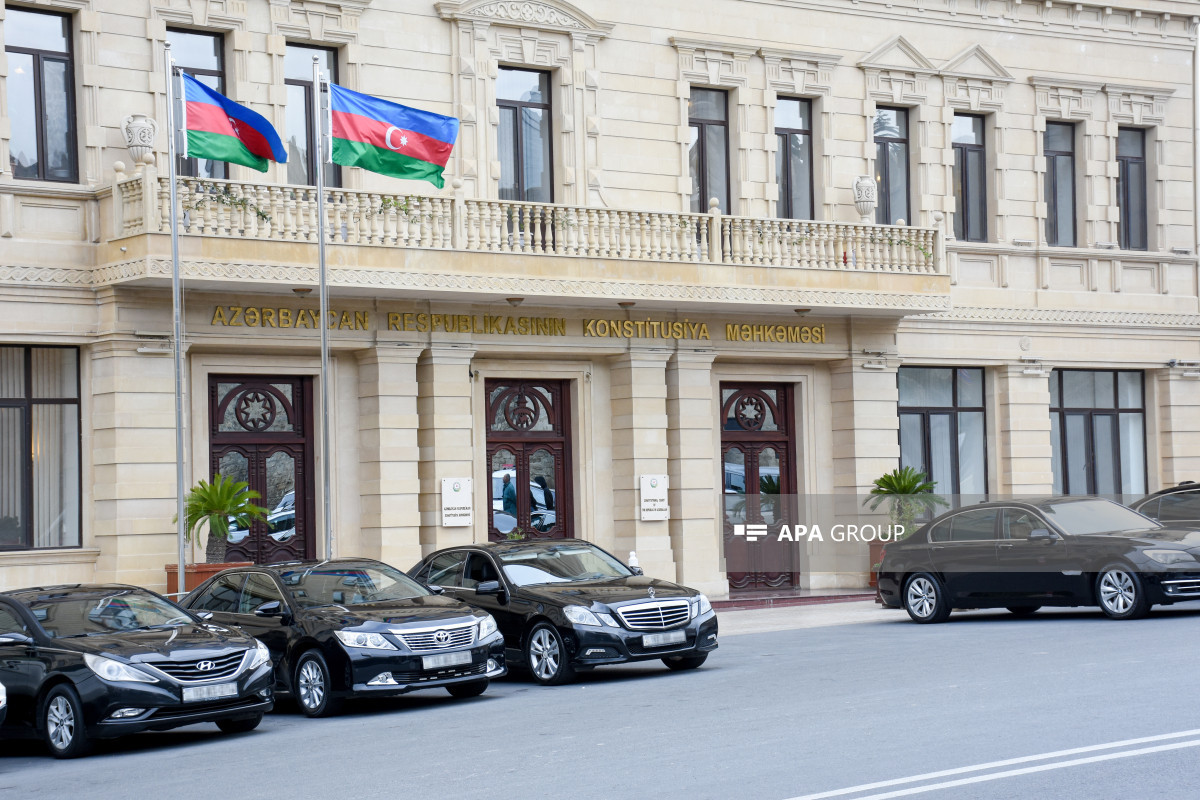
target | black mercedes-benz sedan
[
  {"x": 355, "y": 627},
  {"x": 565, "y": 605},
  {"x": 1053, "y": 551},
  {"x": 93, "y": 662}
]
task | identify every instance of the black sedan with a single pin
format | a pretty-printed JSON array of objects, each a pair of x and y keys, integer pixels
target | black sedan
[
  {"x": 354, "y": 627},
  {"x": 89, "y": 662},
  {"x": 1177, "y": 506},
  {"x": 1055, "y": 551},
  {"x": 565, "y": 605}
]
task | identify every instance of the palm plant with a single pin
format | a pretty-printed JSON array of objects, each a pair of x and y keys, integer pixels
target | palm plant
[
  {"x": 219, "y": 503},
  {"x": 908, "y": 493}
]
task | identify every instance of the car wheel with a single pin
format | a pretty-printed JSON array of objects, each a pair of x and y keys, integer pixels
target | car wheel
[
  {"x": 244, "y": 725},
  {"x": 469, "y": 689},
  {"x": 1119, "y": 590},
  {"x": 313, "y": 686},
  {"x": 546, "y": 656},
  {"x": 685, "y": 662},
  {"x": 61, "y": 724},
  {"x": 1023, "y": 611},
  {"x": 925, "y": 599}
]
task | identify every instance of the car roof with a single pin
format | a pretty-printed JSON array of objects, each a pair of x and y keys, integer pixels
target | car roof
[
  {"x": 280, "y": 566},
  {"x": 515, "y": 545},
  {"x": 1182, "y": 486},
  {"x": 33, "y": 592}
]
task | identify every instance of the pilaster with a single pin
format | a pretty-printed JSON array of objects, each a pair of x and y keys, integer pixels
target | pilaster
[
  {"x": 445, "y": 446},
  {"x": 1179, "y": 427},
  {"x": 1023, "y": 431}
]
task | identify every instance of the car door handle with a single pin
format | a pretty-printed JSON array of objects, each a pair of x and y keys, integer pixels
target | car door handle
[
  {"x": 1006, "y": 545},
  {"x": 937, "y": 547}
]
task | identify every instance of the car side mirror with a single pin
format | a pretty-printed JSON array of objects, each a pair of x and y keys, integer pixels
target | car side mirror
[
  {"x": 270, "y": 609},
  {"x": 488, "y": 587},
  {"x": 1042, "y": 535},
  {"x": 433, "y": 587},
  {"x": 15, "y": 638},
  {"x": 636, "y": 570}
]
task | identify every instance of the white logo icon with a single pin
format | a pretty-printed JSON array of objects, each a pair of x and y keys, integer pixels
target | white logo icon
[{"x": 752, "y": 532}]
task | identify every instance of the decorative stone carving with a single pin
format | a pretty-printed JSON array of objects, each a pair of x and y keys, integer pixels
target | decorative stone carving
[
  {"x": 1137, "y": 105},
  {"x": 535, "y": 13},
  {"x": 866, "y": 197},
  {"x": 1062, "y": 98},
  {"x": 139, "y": 131}
]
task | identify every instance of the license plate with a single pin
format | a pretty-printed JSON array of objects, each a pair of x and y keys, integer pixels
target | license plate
[
  {"x": 192, "y": 694},
  {"x": 660, "y": 639},
  {"x": 446, "y": 659}
]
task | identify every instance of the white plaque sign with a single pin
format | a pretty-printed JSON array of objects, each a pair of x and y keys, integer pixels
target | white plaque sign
[
  {"x": 456, "y": 502},
  {"x": 654, "y": 497}
]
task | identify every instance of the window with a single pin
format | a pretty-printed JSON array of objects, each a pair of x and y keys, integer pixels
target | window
[
  {"x": 39, "y": 447},
  {"x": 970, "y": 181},
  {"x": 446, "y": 569},
  {"x": 480, "y": 569},
  {"x": 298, "y": 122},
  {"x": 260, "y": 588},
  {"x": 200, "y": 55},
  {"x": 1181, "y": 507},
  {"x": 1098, "y": 432},
  {"x": 1131, "y": 188},
  {"x": 526, "y": 157},
  {"x": 942, "y": 431},
  {"x": 222, "y": 595},
  {"x": 708, "y": 153},
  {"x": 1018, "y": 524},
  {"x": 793, "y": 158},
  {"x": 1060, "y": 184},
  {"x": 41, "y": 97},
  {"x": 891, "y": 165},
  {"x": 974, "y": 526},
  {"x": 10, "y": 622}
]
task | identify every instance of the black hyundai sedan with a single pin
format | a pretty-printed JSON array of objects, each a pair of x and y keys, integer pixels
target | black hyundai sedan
[
  {"x": 565, "y": 605},
  {"x": 1055, "y": 551},
  {"x": 355, "y": 627},
  {"x": 93, "y": 662}
]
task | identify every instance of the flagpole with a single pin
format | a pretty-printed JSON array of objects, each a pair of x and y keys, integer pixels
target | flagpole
[
  {"x": 323, "y": 291},
  {"x": 176, "y": 310}
]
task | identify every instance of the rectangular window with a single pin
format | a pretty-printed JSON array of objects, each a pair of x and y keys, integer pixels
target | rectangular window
[
  {"x": 298, "y": 117},
  {"x": 41, "y": 97},
  {"x": 526, "y": 155},
  {"x": 708, "y": 154},
  {"x": 1059, "y": 147},
  {"x": 1098, "y": 427},
  {"x": 942, "y": 430},
  {"x": 1131, "y": 188},
  {"x": 891, "y": 165},
  {"x": 970, "y": 178},
  {"x": 201, "y": 55},
  {"x": 793, "y": 158},
  {"x": 39, "y": 447}
]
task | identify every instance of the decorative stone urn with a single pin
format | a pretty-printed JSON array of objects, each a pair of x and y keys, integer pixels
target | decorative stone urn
[
  {"x": 139, "y": 131},
  {"x": 866, "y": 197}
]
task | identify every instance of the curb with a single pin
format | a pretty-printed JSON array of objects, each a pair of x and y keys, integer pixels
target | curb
[{"x": 784, "y": 602}]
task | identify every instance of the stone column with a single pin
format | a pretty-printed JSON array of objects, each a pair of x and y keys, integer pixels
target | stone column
[
  {"x": 1023, "y": 432},
  {"x": 1179, "y": 427},
  {"x": 695, "y": 528},
  {"x": 444, "y": 437},
  {"x": 639, "y": 444},
  {"x": 388, "y": 472}
]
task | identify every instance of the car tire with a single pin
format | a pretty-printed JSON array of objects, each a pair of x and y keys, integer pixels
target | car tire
[
  {"x": 925, "y": 599},
  {"x": 61, "y": 723},
  {"x": 469, "y": 689},
  {"x": 1120, "y": 593},
  {"x": 546, "y": 656},
  {"x": 1023, "y": 611},
  {"x": 685, "y": 662},
  {"x": 244, "y": 725},
  {"x": 313, "y": 686}
]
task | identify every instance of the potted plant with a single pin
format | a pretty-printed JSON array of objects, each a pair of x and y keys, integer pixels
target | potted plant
[
  {"x": 217, "y": 504},
  {"x": 908, "y": 495}
]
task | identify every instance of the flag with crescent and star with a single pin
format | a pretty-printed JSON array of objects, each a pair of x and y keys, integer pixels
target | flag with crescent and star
[
  {"x": 389, "y": 138},
  {"x": 217, "y": 128}
]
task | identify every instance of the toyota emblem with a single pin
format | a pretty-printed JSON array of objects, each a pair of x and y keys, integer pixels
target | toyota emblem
[
  {"x": 442, "y": 637},
  {"x": 205, "y": 666}
]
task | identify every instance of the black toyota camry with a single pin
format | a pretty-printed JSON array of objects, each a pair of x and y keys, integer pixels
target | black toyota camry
[
  {"x": 355, "y": 627},
  {"x": 565, "y": 605},
  {"x": 89, "y": 662}
]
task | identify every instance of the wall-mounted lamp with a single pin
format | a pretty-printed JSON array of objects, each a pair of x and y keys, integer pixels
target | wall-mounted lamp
[
  {"x": 514, "y": 301},
  {"x": 1181, "y": 251},
  {"x": 1023, "y": 242},
  {"x": 875, "y": 365}
]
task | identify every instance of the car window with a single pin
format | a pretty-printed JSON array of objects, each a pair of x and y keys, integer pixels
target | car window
[
  {"x": 940, "y": 532},
  {"x": 10, "y": 622},
  {"x": 221, "y": 595},
  {"x": 1178, "y": 507},
  {"x": 973, "y": 526},
  {"x": 260, "y": 588},
  {"x": 1018, "y": 524},
  {"x": 446, "y": 569},
  {"x": 90, "y": 612},
  {"x": 479, "y": 569},
  {"x": 1081, "y": 517},
  {"x": 348, "y": 583}
]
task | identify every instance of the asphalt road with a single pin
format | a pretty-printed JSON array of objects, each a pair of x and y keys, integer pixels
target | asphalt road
[{"x": 858, "y": 704}]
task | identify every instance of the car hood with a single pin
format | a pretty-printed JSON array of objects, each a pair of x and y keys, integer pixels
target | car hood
[
  {"x": 612, "y": 591},
  {"x": 184, "y": 643},
  {"x": 386, "y": 615},
  {"x": 1181, "y": 538}
]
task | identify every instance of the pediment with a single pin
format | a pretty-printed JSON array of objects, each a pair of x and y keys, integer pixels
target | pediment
[
  {"x": 899, "y": 54},
  {"x": 555, "y": 15},
  {"x": 975, "y": 62}
]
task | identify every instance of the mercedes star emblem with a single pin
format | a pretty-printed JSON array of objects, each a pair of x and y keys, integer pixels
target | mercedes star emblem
[{"x": 651, "y": 591}]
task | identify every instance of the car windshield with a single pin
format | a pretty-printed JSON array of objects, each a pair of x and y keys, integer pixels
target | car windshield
[
  {"x": 560, "y": 563},
  {"x": 343, "y": 584},
  {"x": 66, "y": 614},
  {"x": 1081, "y": 517}
]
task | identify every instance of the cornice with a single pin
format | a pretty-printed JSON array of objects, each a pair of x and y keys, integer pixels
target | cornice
[
  {"x": 547, "y": 15},
  {"x": 732, "y": 48},
  {"x": 1050, "y": 316}
]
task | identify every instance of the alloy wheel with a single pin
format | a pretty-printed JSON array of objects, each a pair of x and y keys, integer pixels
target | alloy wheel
[
  {"x": 1117, "y": 591},
  {"x": 544, "y": 654},
  {"x": 922, "y": 596},
  {"x": 60, "y": 722},
  {"x": 312, "y": 684}
]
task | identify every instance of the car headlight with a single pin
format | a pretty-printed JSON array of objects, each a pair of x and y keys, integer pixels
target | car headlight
[
  {"x": 487, "y": 626},
  {"x": 1171, "y": 556},
  {"x": 607, "y": 619},
  {"x": 261, "y": 655},
  {"x": 111, "y": 670},
  {"x": 3, "y": 696},
  {"x": 578, "y": 615},
  {"x": 700, "y": 605},
  {"x": 366, "y": 641}
]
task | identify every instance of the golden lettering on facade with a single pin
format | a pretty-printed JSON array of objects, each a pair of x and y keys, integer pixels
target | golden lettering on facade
[
  {"x": 645, "y": 329},
  {"x": 469, "y": 323},
  {"x": 779, "y": 334},
  {"x": 263, "y": 317}
]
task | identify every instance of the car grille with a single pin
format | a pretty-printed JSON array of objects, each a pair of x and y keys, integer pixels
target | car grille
[
  {"x": 190, "y": 671},
  {"x": 655, "y": 616},
  {"x": 439, "y": 675},
  {"x": 428, "y": 641}
]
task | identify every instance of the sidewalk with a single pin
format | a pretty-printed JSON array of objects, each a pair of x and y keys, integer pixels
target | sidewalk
[{"x": 764, "y": 620}]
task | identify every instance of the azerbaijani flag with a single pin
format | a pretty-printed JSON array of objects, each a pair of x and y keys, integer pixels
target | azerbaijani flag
[
  {"x": 220, "y": 129},
  {"x": 390, "y": 138}
]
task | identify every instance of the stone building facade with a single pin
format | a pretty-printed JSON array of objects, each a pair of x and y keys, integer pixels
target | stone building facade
[{"x": 647, "y": 261}]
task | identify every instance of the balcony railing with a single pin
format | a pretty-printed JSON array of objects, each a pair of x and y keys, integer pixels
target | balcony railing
[{"x": 234, "y": 209}]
